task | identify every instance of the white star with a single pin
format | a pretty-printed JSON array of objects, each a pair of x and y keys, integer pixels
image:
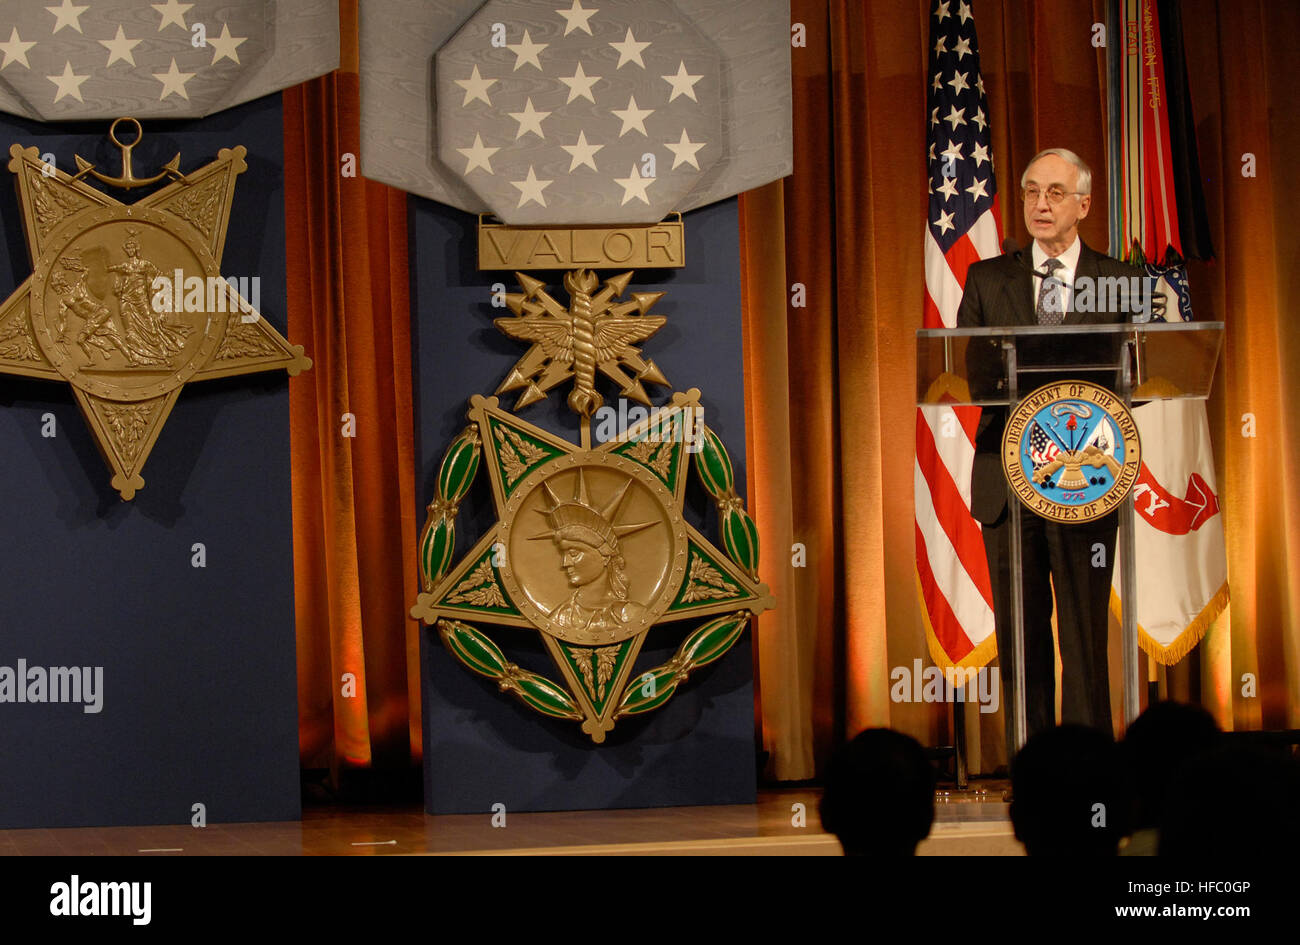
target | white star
[
  {"x": 963, "y": 11},
  {"x": 948, "y": 188},
  {"x": 119, "y": 47},
  {"x": 172, "y": 12},
  {"x": 979, "y": 154},
  {"x": 962, "y": 49},
  {"x": 942, "y": 11},
  {"x": 953, "y": 150},
  {"x": 954, "y": 117},
  {"x": 580, "y": 84},
  {"x": 15, "y": 50},
  {"x": 976, "y": 190},
  {"x": 476, "y": 87},
  {"x": 173, "y": 80},
  {"x": 67, "y": 15},
  {"x": 225, "y": 45},
  {"x": 629, "y": 50},
  {"x": 634, "y": 185},
  {"x": 530, "y": 188},
  {"x": 958, "y": 82},
  {"x": 684, "y": 151},
  {"x": 932, "y": 157},
  {"x": 526, "y": 51},
  {"x": 576, "y": 17},
  {"x": 633, "y": 117},
  {"x": 68, "y": 83},
  {"x": 979, "y": 84},
  {"x": 583, "y": 154},
  {"x": 936, "y": 85},
  {"x": 682, "y": 83},
  {"x": 944, "y": 223},
  {"x": 940, "y": 46},
  {"x": 529, "y": 120},
  {"x": 934, "y": 116},
  {"x": 979, "y": 118},
  {"x": 929, "y": 186},
  {"x": 479, "y": 155}
]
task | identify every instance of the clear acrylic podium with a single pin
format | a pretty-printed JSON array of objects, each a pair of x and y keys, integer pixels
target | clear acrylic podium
[{"x": 995, "y": 367}]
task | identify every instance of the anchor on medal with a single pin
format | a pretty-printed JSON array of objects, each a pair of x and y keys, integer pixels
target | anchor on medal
[{"x": 128, "y": 180}]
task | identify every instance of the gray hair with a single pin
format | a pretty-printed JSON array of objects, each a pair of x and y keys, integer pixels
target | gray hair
[{"x": 1084, "y": 185}]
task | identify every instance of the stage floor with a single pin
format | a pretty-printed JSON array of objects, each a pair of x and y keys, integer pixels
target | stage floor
[{"x": 971, "y": 822}]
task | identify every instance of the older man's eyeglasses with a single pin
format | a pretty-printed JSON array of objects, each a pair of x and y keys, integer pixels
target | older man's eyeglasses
[{"x": 1054, "y": 194}]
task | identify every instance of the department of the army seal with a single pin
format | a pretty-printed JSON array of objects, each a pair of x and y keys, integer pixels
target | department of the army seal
[{"x": 1071, "y": 452}]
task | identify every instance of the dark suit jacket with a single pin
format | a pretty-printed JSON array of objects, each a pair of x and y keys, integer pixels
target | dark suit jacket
[{"x": 1000, "y": 291}]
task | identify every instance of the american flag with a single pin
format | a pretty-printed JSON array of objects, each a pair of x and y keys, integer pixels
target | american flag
[
  {"x": 1042, "y": 449},
  {"x": 962, "y": 228}
]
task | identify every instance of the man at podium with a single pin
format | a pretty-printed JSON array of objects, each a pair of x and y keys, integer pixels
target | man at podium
[{"x": 1038, "y": 286}]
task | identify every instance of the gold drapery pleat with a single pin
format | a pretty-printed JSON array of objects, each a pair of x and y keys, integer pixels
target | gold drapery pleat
[
  {"x": 352, "y": 435},
  {"x": 831, "y": 385},
  {"x": 1240, "y": 73}
]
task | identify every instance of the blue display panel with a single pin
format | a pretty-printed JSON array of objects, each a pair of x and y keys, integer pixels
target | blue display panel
[
  {"x": 483, "y": 747},
  {"x": 196, "y": 701}
]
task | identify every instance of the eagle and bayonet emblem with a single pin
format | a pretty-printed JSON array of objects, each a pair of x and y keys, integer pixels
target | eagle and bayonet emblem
[{"x": 596, "y": 332}]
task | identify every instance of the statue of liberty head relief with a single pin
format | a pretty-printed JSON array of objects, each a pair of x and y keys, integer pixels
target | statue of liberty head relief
[{"x": 591, "y": 556}]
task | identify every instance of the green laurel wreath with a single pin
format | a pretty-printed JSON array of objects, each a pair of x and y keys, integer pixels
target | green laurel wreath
[
  {"x": 656, "y": 686},
  {"x": 437, "y": 541},
  {"x": 473, "y": 648},
  {"x": 652, "y": 688},
  {"x": 739, "y": 534}
]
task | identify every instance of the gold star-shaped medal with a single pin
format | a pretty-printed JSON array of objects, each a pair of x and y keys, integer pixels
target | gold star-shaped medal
[
  {"x": 590, "y": 546},
  {"x": 127, "y": 302}
]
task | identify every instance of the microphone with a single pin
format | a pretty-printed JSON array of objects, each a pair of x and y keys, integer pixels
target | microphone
[
  {"x": 1013, "y": 249},
  {"x": 1017, "y": 252}
]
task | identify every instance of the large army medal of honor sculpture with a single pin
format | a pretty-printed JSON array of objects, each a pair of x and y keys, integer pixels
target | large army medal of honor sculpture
[
  {"x": 582, "y": 130},
  {"x": 126, "y": 302},
  {"x": 590, "y": 547}
]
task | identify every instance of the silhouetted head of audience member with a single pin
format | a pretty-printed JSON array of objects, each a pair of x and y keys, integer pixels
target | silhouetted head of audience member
[
  {"x": 879, "y": 797},
  {"x": 1069, "y": 796},
  {"x": 1163, "y": 737},
  {"x": 1236, "y": 801}
]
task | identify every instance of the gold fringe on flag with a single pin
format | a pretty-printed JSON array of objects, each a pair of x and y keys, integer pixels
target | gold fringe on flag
[
  {"x": 1186, "y": 640},
  {"x": 980, "y": 656}
]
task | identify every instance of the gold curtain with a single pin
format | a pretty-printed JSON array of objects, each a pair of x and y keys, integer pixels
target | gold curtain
[
  {"x": 1240, "y": 68},
  {"x": 352, "y": 435},
  {"x": 831, "y": 382}
]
